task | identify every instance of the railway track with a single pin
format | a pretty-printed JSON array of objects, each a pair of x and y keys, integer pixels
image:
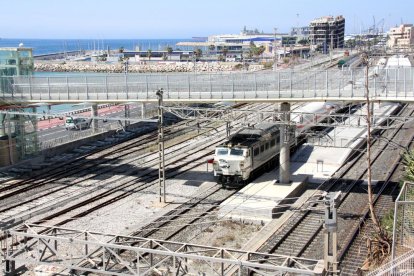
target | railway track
[
  {"x": 33, "y": 194},
  {"x": 61, "y": 193},
  {"x": 145, "y": 181},
  {"x": 178, "y": 224},
  {"x": 302, "y": 235}
]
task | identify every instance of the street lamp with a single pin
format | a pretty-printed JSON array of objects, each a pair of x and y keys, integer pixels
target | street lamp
[
  {"x": 275, "y": 57},
  {"x": 194, "y": 60},
  {"x": 161, "y": 159}
]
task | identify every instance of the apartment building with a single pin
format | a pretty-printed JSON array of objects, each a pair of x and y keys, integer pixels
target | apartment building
[
  {"x": 327, "y": 31},
  {"x": 401, "y": 37}
]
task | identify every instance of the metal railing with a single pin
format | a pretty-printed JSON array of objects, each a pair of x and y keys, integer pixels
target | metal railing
[
  {"x": 76, "y": 135},
  {"x": 128, "y": 255},
  {"x": 395, "y": 84}
]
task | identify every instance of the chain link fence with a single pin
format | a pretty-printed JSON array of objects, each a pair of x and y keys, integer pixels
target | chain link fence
[{"x": 403, "y": 235}]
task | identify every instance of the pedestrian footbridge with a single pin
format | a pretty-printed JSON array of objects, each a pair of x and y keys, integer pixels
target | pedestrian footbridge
[{"x": 395, "y": 84}]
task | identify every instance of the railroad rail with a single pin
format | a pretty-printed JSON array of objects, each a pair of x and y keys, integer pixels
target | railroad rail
[
  {"x": 63, "y": 181},
  {"x": 302, "y": 235},
  {"x": 121, "y": 188}
]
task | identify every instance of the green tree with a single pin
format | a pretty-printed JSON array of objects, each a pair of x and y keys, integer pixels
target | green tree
[
  {"x": 260, "y": 50},
  {"x": 211, "y": 49},
  {"x": 198, "y": 53},
  {"x": 169, "y": 51},
  {"x": 149, "y": 54},
  {"x": 256, "y": 51},
  {"x": 351, "y": 43},
  {"x": 225, "y": 50},
  {"x": 303, "y": 41}
]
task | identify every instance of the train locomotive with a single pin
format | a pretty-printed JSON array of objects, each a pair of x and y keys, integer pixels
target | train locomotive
[{"x": 246, "y": 152}]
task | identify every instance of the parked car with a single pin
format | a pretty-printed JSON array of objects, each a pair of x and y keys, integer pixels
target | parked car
[{"x": 77, "y": 123}]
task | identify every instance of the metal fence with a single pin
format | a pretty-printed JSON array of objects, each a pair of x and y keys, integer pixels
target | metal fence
[
  {"x": 403, "y": 265},
  {"x": 402, "y": 262},
  {"x": 403, "y": 234},
  {"x": 108, "y": 254},
  {"x": 76, "y": 135},
  {"x": 294, "y": 85}
]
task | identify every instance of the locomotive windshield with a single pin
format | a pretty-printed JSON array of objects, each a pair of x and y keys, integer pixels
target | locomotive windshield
[
  {"x": 222, "y": 151},
  {"x": 237, "y": 152}
]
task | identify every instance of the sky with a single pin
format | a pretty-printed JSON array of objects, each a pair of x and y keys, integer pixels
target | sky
[{"x": 137, "y": 19}]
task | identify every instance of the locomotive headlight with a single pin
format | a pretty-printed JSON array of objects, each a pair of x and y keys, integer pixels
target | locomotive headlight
[{"x": 241, "y": 164}]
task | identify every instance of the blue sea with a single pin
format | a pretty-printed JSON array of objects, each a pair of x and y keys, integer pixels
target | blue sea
[{"x": 46, "y": 46}]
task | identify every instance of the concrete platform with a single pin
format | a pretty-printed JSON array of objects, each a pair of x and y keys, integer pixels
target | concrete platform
[
  {"x": 258, "y": 201},
  {"x": 317, "y": 162}
]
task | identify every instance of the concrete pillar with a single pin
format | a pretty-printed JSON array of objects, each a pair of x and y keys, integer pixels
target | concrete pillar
[
  {"x": 127, "y": 114},
  {"x": 284, "y": 157},
  {"x": 2, "y": 125},
  {"x": 35, "y": 128},
  {"x": 11, "y": 147},
  {"x": 94, "y": 113},
  {"x": 143, "y": 112}
]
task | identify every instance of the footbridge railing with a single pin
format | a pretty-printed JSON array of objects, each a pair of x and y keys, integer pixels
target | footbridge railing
[{"x": 347, "y": 85}]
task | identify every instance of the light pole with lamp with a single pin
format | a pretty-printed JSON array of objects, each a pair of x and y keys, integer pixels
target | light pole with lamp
[
  {"x": 161, "y": 159},
  {"x": 275, "y": 57}
]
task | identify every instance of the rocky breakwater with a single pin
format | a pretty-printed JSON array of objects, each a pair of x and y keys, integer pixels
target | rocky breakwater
[{"x": 70, "y": 66}]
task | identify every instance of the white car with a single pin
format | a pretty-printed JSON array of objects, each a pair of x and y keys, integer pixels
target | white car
[{"x": 77, "y": 123}]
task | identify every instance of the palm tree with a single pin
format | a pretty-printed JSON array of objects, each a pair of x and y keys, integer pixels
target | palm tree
[
  {"x": 169, "y": 51},
  {"x": 198, "y": 53},
  {"x": 225, "y": 50},
  {"x": 149, "y": 53},
  {"x": 211, "y": 48}
]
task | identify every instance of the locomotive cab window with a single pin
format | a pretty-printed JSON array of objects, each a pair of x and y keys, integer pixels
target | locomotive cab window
[
  {"x": 256, "y": 151},
  {"x": 222, "y": 151},
  {"x": 236, "y": 152},
  {"x": 262, "y": 148}
]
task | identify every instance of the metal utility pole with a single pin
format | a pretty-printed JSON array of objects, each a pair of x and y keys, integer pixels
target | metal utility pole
[
  {"x": 161, "y": 160},
  {"x": 330, "y": 255},
  {"x": 275, "y": 57}
]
